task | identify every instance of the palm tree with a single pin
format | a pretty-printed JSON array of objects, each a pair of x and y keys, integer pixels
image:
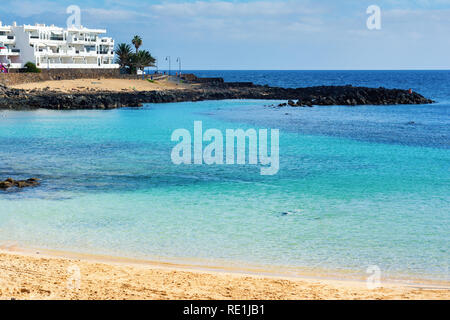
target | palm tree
[
  {"x": 143, "y": 59},
  {"x": 124, "y": 55},
  {"x": 137, "y": 42}
]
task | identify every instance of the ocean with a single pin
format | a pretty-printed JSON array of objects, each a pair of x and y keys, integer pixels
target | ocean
[{"x": 364, "y": 186}]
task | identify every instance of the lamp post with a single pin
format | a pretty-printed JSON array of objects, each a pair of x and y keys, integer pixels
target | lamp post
[
  {"x": 168, "y": 59},
  {"x": 179, "y": 66},
  {"x": 8, "y": 64}
]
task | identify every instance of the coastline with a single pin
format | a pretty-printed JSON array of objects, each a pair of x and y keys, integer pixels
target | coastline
[
  {"x": 115, "y": 93},
  {"x": 44, "y": 274}
]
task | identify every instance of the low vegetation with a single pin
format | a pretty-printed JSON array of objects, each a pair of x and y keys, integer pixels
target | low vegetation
[{"x": 30, "y": 67}]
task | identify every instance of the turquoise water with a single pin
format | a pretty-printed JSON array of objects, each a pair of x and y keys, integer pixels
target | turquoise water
[{"x": 364, "y": 186}]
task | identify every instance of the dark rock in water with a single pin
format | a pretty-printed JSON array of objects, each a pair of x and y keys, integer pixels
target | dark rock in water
[
  {"x": 5, "y": 184},
  {"x": 16, "y": 99},
  {"x": 10, "y": 183}
]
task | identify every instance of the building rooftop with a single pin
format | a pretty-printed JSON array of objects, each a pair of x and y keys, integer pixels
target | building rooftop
[{"x": 38, "y": 26}]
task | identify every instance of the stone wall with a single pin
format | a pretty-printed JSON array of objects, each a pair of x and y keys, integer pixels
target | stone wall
[
  {"x": 189, "y": 77},
  {"x": 19, "y": 77},
  {"x": 210, "y": 80},
  {"x": 193, "y": 78},
  {"x": 16, "y": 78}
]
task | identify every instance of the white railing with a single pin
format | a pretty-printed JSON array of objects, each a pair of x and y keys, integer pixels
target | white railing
[
  {"x": 44, "y": 65},
  {"x": 107, "y": 40},
  {"x": 7, "y": 39},
  {"x": 71, "y": 53},
  {"x": 8, "y": 52},
  {"x": 108, "y": 53},
  {"x": 83, "y": 41},
  {"x": 11, "y": 65},
  {"x": 15, "y": 65},
  {"x": 87, "y": 53},
  {"x": 36, "y": 39}
]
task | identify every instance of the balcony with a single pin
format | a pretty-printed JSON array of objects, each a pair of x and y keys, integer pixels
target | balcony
[
  {"x": 36, "y": 39},
  {"x": 68, "y": 53},
  {"x": 87, "y": 53},
  {"x": 52, "y": 65},
  {"x": 56, "y": 38},
  {"x": 110, "y": 53},
  {"x": 7, "y": 39},
  {"x": 107, "y": 40},
  {"x": 83, "y": 40},
  {"x": 82, "y": 53},
  {"x": 9, "y": 52}
]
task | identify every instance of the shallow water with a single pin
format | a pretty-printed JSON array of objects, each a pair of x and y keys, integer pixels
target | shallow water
[{"x": 364, "y": 186}]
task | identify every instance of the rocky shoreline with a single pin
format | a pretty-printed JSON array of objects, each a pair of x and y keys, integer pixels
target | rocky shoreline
[{"x": 17, "y": 99}]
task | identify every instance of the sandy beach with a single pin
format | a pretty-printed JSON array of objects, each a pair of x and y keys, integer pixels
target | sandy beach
[
  {"x": 104, "y": 85},
  {"x": 42, "y": 276}
]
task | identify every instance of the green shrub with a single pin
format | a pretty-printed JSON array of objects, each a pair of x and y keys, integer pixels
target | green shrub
[{"x": 30, "y": 67}]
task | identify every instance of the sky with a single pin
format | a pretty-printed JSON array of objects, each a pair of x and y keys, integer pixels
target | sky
[{"x": 264, "y": 34}]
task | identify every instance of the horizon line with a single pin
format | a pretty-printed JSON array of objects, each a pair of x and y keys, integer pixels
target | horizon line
[{"x": 416, "y": 69}]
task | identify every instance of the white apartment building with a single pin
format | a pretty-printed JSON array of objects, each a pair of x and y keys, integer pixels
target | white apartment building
[
  {"x": 51, "y": 47},
  {"x": 9, "y": 54}
]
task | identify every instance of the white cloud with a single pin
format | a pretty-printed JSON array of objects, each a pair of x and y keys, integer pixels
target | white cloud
[
  {"x": 114, "y": 15},
  {"x": 235, "y": 9},
  {"x": 260, "y": 20}
]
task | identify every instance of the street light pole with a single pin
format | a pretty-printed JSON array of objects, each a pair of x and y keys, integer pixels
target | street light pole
[
  {"x": 168, "y": 59},
  {"x": 179, "y": 65},
  {"x": 8, "y": 64}
]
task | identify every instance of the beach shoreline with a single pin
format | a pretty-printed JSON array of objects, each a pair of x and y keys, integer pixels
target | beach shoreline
[
  {"x": 46, "y": 274},
  {"x": 112, "y": 93}
]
